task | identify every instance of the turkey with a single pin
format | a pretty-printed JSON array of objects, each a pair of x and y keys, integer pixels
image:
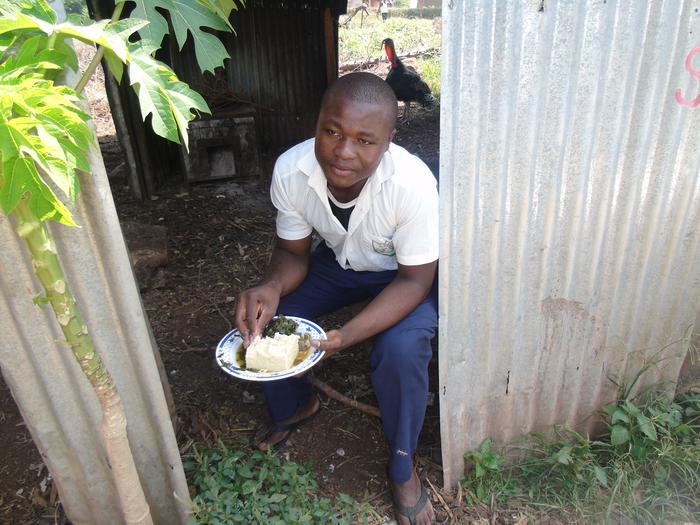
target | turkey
[{"x": 406, "y": 82}]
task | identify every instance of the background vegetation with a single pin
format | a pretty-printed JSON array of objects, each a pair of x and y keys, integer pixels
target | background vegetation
[
  {"x": 364, "y": 44},
  {"x": 261, "y": 488},
  {"x": 643, "y": 470}
]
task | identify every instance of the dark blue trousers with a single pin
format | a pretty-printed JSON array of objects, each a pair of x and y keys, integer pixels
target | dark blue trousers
[{"x": 399, "y": 359}]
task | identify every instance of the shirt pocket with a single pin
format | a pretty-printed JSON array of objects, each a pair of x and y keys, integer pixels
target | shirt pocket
[{"x": 382, "y": 245}]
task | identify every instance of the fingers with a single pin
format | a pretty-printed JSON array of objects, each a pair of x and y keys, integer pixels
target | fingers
[
  {"x": 332, "y": 344},
  {"x": 264, "y": 314},
  {"x": 247, "y": 308},
  {"x": 254, "y": 309}
]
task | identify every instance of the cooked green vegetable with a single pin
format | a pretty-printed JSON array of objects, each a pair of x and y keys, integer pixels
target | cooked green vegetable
[{"x": 281, "y": 325}]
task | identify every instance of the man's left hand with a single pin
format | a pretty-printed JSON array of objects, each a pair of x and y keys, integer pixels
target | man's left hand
[{"x": 332, "y": 344}]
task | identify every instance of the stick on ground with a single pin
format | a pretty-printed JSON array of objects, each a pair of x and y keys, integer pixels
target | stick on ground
[{"x": 334, "y": 394}]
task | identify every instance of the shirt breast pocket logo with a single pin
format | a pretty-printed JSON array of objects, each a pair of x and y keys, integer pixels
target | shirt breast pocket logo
[{"x": 383, "y": 246}]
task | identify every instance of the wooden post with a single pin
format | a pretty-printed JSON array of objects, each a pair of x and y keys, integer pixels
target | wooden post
[{"x": 331, "y": 52}]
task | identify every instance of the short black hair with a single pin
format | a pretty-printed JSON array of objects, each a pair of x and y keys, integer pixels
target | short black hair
[{"x": 364, "y": 87}]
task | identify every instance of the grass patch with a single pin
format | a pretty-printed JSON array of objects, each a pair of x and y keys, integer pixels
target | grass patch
[
  {"x": 644, "y": 469},
  {"x": 429, "y": 68},
  {"x": 357, "y": 43},
  {"x": 257, "y": 488}
]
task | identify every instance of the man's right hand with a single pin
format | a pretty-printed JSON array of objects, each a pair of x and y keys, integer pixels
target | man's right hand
[
  {"x": 256, "y": 306},
  {"x": 254, "y": 309}
]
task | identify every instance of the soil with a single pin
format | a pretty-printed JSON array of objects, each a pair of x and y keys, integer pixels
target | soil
[{"x": 219, "y": 238}]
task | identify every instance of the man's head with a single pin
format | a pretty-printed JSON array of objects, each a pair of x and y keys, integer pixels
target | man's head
[{"x": 353, "y": 131}]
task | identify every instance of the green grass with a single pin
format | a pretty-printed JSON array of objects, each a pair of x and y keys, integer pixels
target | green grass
[
  {"x": 429, "y": 68},
  {"x": 644, "y": 469},
  {"x": 364, "y": 43},
  {"x": 235, "y": 487}
]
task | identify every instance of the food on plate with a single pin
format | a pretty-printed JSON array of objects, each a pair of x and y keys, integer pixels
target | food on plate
[
  {"x": 280, "y": 325},
  {"x": 272, "y": 354}
]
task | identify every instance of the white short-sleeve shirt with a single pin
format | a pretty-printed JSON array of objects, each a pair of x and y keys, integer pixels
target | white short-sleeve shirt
[{"x": 395, "y": 220}]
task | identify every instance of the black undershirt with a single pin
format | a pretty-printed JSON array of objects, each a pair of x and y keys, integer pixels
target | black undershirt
[{"x": 342, "y": 214}]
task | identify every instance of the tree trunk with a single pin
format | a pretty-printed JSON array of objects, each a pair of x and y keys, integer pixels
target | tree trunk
[{"x": 48, "y": 269}]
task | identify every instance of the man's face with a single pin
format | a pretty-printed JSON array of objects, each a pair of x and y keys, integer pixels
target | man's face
[{"x": 351, "y": 138}]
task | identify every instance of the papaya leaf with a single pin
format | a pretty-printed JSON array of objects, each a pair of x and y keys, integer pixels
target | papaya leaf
[
  {"x": 33, "y": 52},
  {"x": 222, "y": 8},
  {"x": 19, "y": 176},
  {"x": 96, "y": 33},
  {"x": 114, "y": 40},
  {"x": 17, "y": 138},
  {"x": 71, "y": 59},
  {"x": 43, "y": 136},
  {"x": 187, "y": 17},
  {"x": 23, "y": 22},
  {"x": 169, "y": 101},
  {"x": 37, "y": 8},
  {"x": 122, "y": 29}
]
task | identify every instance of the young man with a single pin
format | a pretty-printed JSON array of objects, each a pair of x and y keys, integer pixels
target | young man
[{"x": 376, "y": 208}]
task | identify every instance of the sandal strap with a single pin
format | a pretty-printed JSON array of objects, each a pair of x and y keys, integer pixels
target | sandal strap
[
  {"x": 273, "y": 427},
  {"x": 269, "y": 429},
  {"x": 412, "y": 512}
]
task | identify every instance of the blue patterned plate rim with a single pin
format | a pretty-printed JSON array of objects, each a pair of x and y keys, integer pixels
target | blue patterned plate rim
[{"x": 229, "y": 344}]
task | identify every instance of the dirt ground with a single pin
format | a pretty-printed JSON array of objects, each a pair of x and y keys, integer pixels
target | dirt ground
[{"x": 219, "y": 238}]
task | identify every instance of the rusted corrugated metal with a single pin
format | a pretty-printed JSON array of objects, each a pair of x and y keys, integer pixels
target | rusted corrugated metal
[{"x": 570, "y": 212}]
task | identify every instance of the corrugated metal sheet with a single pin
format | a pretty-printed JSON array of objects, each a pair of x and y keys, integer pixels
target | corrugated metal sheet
[
  {"x": 57, "y": 404},
  {"x": 570, "y": 209}
]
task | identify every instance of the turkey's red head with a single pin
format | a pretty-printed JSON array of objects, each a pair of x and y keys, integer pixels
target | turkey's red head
[{"x": 388, "y": 44}]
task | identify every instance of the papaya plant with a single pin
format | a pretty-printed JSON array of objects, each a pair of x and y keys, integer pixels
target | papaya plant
[{"x": 44, "y": 141}]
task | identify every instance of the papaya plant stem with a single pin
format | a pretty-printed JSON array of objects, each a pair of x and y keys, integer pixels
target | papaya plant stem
[
  {"x": 48, "y": 270},
  {"x": 98, "y": 56}
]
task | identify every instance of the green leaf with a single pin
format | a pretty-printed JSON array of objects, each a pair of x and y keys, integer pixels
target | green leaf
[
  {"x": 21, "y": 21},
  {"x": 14, "y": 181},
  {"x": 44, "y": 150},
  {"x": 619, "y": 435},
  {"x": 485, "y": 445},
  {"x": 169, "y": 101},
  {"x": 619, "y": 415},
  {"x": 608, "y": 409},
  {"x": 96, "y": 33},
  {"x": 631, "y": 408},
  {"x": 492, "y": 461},
  {"x": 122, "y": 29},
  {"x": 37, "y": 8},
  {"x": 647, "y": 427},
  {"x": 68, "y": 52},
  {"x": 248, "y": 487},
  {"x": 186, "y": 17},
  {"x": 601, "y": 475},
  {"x": 222, "y": 8},
  {"x": 18, "y": 176},
  {"x": 563, "y": 455},
  {"x": 33, "y": 53}
]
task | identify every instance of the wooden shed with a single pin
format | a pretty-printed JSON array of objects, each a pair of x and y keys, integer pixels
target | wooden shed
[{"x": 266, "y": 97}]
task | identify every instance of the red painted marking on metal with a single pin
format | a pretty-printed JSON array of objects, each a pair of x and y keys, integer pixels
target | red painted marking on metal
[{"x": 693, "y": 73}]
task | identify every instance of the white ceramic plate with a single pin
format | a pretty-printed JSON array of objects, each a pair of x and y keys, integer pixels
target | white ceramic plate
[{"x": 228, "y": 347}]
